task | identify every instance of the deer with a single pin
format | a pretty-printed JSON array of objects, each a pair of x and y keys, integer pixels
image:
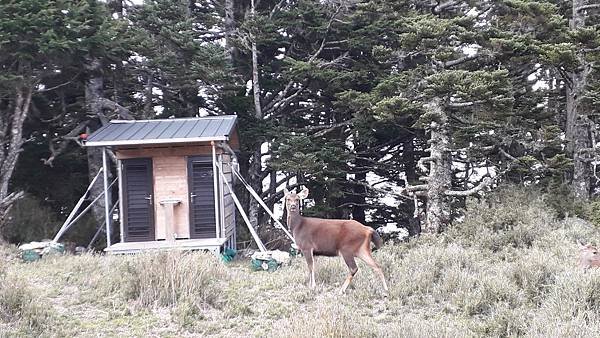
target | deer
[
  {"x": 331, "y": 237},
  {"x": 588, "y": 256}
]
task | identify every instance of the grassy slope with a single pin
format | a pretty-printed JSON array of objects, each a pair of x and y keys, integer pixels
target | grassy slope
[{"x": 507, "y": 270}]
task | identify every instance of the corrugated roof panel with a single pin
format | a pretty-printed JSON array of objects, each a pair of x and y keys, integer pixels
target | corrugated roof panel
[
  {"x": 116, "y": 131},
  {"x": 199, "y": 129},
  {"x": 131, "y": 131},
  {"x": 225, "y": 127},
  {"x": 186, "y": 129},
  {"x": 211, "y": 128},
  {"x": 158, "y": 129},
  {"x": 173, "y": 127},
  {"x": 99, "y": 134},
  {"x": 141, "y": 134},
  {"x": 121, "y": 132}
]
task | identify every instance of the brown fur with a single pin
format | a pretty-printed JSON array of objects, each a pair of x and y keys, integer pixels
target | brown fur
[
  {"x": 589, "y": 257},
  {"x": 327, "y": 237}
]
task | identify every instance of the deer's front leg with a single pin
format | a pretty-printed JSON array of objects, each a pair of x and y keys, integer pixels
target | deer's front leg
[{"x": 310, "y": 261}]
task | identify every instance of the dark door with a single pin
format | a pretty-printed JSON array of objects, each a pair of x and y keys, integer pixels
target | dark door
[
  {"x": 202, "y": 198},
  {"x": 138, "y": 211}
]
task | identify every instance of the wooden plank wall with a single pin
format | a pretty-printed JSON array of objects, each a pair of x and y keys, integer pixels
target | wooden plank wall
[
  {"x": 170, "y": 181},
  {"x": 228, "y": 204}
]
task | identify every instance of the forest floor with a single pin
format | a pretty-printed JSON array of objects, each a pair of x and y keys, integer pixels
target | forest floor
[{"x": 506, "y": 270}]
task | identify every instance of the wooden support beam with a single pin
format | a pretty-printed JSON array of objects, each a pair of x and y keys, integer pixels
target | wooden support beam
[{"x": 259, "y": 243}]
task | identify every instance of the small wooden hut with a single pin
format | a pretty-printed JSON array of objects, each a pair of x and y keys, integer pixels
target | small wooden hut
[{"x": 174, "y": 177}]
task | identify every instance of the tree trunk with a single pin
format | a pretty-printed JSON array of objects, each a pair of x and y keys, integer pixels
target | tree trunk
[
  {"x": 408, "y": 159},
  {"x": 581, "y": 184},
  {"x": 577, "y": 136},
  {"x": 93, "y": 100},
  {"x": 255, "y": 167},
  {"x": 11, "y": 137},
  {"x": 440, "y": 173},
  {"x": 229, "y": 31},
  {"x": 254, "y": 173}
]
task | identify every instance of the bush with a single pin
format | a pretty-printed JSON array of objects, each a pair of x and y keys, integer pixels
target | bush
[{"x": 509, "y": 218}]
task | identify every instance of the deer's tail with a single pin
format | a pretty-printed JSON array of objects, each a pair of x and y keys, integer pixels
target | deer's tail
[{"x": 376, "y": 239}]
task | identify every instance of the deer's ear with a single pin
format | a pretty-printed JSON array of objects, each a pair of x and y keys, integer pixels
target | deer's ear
[
  {"x": 285, "y": 192},
  {"x": 304, "y": 193}
]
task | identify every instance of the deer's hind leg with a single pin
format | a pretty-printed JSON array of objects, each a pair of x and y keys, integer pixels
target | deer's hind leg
[
  {"x": 365, "y": 256},
  {"x": 352, "y": 267}
]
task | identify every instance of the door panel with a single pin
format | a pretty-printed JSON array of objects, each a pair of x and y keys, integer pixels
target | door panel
[
  {"x": 202, "y": 200},
  {"x": 138, "y": 204}
]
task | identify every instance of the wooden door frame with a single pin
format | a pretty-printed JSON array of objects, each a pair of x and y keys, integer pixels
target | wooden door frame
[
  {"x": 150, "y": 171},
  {"x": 190, "y": 160}
]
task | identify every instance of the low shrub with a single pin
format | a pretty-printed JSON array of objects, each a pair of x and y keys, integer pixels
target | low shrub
[{"x": 509, "y": 218}]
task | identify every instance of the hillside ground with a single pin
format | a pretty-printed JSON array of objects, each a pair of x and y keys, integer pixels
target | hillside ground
[{"x": 509, "y": 269}]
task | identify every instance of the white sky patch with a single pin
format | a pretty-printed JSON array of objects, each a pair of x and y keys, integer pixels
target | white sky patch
[
  {"x": 248, "y": 87},
  {"x": 471, "y": 49},
  {"x": 389, "y": 200},
  {"x": 473, "y": 12},
  {"x": 158, "y": 109},
  {"x": 157, "y": 92},
  {"x": 202, "y": 112},
  {"x": 281, "y": 54}
]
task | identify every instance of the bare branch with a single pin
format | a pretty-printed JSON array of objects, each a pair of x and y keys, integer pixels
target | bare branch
[
  {"x": 586, "y": 7},
  {"x": 421, "y": 162},
  {"x": 419, "y": 187},
  {"x": 112, "y": 105},
  {"x": 458, "y": 61},
  {"x": 62, "y": 146},
  {"x": 60, "y": 85},
  {"x": 486, "y": 182}
]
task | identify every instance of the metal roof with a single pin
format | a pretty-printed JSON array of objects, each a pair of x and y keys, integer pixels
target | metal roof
[{"x": 185, "y": 130}]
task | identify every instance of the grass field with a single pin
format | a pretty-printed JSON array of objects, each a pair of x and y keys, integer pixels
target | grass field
[{"x": 508, "y": 270}]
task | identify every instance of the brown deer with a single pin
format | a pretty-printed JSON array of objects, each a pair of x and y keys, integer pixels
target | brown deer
[
  {"x": 331, "y": 237},
  {"x": 588, "y": 256}
]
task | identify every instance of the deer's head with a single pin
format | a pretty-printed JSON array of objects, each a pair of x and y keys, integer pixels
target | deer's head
[
  {"x": 589, "y": 256},
  {"x": 292, "y": 200}
]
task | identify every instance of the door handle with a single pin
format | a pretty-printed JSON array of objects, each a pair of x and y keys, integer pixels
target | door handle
[
  {"x": 149, "y": 198},
  {"x": 192, "y": 195}
]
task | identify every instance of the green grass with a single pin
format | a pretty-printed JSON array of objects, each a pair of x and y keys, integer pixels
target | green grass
[{"x": 520, "y": 279}]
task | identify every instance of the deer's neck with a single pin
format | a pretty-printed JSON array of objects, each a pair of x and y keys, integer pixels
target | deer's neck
[{"x": 294, "y": 221}]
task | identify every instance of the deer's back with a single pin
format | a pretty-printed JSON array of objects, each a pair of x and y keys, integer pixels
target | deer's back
[{"x": 328, "y": 237}]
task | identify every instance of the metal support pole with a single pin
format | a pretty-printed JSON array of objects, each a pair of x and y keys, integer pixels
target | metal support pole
[
  {"x": 120, "y": 202},
  {"x": 106, "y": 196},
  {"x": 216, "y": 191},
  {"x": 62, "y": 229},
  {"x": 221, "y": 197}
]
